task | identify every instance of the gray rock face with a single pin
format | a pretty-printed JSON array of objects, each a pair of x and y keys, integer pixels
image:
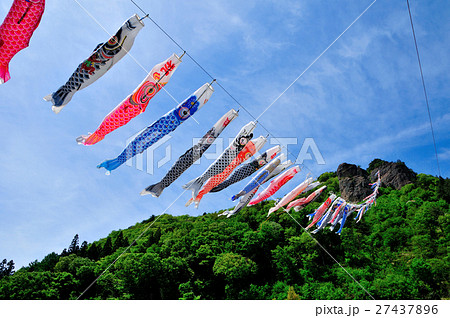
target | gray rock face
[
  {"x": 394, "y": 174},
  {"x": 353, "y": 182},
  {"x": 347, "y": 170}
]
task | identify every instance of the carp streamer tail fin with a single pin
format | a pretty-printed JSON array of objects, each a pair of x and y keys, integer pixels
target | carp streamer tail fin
[
  {"x": 237, "y": 196},
  {"x": 189, "y": 202},
  {"x": 90, "y": 139},
  {"x": 4, "y": 74},
  {"x": 155, "y": 190},
  {"x": 194, "y": 185},
  {"x": 110, "y": 164},
  {"x": 271, "y": 210},
  {"x": 59, "y": 99}
]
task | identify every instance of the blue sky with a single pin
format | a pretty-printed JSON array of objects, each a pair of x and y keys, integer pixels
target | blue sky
[{"x": 361, "y": 100}]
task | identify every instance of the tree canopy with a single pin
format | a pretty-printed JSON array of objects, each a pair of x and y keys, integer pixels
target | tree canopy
[{"x": 398, "y": 251}]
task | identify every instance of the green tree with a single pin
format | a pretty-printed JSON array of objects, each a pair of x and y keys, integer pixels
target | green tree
[
  {"x": 107, "y": 248},
  {"x": 6, "y": 268},
  {"x": 83, "y": 249},
  {"x": 93, "y": 251},
  {"x": 234, "y": 267},
  {"x": 120, "y": 242},
  {"x": 74, "y": 247}
]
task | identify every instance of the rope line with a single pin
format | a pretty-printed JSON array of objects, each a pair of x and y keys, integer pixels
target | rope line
[
  {"x": 129, "y": 246},
  {"x": 320, "y": 245},
  {"x": 313, "y": 62},
  {"x": 256, "y": 118},
  {"x": 217, "y": 82},
  {"x": 146, "y": 15},
  {"x": 424, "y": 89}
]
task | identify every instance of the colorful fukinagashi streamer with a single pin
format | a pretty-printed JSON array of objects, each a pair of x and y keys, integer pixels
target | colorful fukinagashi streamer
[
  {"x": 340, "y": 210},
  {"x": 349, "y": 209},
  {"x": 16, "y": 31},
  {"x": 252, "y": 187},
  {"x": 249, "y": 150},
  {"x": 302, "y": 202},
  {"x": 224, "y": 160},
  {"x": 191, "y": 156},
  {"x": 291, "y": 195},
  {"x": 248, "y": 169},
  {"x": 105, "y": 56},
  {"x": 320, "y": 211},
  {"x": 135, "y": 103},
  {"x": 338, "y": 213},
  {"x": 370, "y": 200},
  {"x": 275, "y": 185},
  {"x": 160, "y": 128},
  {"x": 337, "y": 204}
]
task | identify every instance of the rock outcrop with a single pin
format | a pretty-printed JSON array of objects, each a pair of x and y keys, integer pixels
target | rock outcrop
[
  {"x": 353, "y": 182},
  {"x": 393, "y": 174}
]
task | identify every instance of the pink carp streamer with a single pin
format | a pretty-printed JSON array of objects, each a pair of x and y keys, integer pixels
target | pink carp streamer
[
  {"x": 291, "y": 195},
  {"x": 275, "y": 185},
  {"x": 16, "y": 31},
  {"x": 302, "y": 202}
]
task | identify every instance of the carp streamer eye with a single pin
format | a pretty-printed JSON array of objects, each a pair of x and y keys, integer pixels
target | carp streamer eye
[
  {"x": 113, "y": 41},
  {"x": 183, "y": 112}
]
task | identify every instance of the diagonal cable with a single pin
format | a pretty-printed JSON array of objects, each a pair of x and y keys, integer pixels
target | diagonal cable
[
  {"x": 316, "y": 59},
  {"x": 256, "y": 119},
  {"x": 321, "y": 246},
  {"x": 424, "y": 89},
  {"x": 129, "y": 246}
]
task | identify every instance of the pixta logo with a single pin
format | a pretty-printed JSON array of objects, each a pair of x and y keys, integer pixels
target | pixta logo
[{"x": 160, "y": 154}]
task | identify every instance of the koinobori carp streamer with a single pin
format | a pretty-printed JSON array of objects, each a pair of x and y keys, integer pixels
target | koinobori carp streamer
[
  {"x": 263, "y": 175},
  {"x": 252, "y": 187},
  {"x": 160, "y": 128},
  {"x": 320, "y": 211},
  {"x": 249, "y": 150},
  {"x": 291, "y": 195},
  {"x": 135, "y": 103},
  {"x": 248, "y": 169},
  {"x": 275, "y": 185},
  {"x": 16, "y": 31},
  {"x": 302, "y": 202},
  {"x": 105, "y": 56},
  {"x": 192, "y": 155},
  {"x": 224, "y": 160}
]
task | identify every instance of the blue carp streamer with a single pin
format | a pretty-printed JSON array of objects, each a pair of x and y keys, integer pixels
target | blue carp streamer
[{"x": 160, "y": 128}]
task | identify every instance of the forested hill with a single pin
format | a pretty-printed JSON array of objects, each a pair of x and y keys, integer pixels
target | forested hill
[{"x": 398, "y": 251}]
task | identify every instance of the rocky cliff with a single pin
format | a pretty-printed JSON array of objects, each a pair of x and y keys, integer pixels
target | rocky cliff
[{"x": 354, "y": 181}]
